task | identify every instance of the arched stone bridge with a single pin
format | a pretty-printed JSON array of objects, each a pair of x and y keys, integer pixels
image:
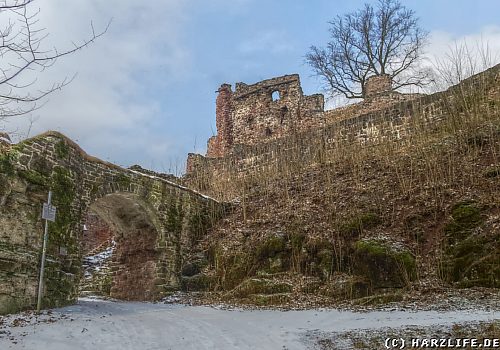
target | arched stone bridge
[{"x": 156, "y": 222}]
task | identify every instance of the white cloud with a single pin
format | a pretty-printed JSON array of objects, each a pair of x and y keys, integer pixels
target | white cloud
[
  {"x": 442, "y": 42},
  {"x": 475, "y": 52},
  {"x": 107, "y": 108}
]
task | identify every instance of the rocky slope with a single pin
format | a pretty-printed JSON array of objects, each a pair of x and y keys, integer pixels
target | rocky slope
[{"x": 368, "y": 223}]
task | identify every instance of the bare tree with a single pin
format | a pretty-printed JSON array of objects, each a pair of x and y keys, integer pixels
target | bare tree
[
  {"x": 385, "y": 39},
  {"x": 23, "y": 55}
]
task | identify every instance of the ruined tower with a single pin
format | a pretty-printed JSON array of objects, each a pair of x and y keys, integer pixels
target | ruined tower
[
  {"x": 221, "y": 143},
  {"x": 259, "y": 112},
  {"x": 378, "y": 84}
]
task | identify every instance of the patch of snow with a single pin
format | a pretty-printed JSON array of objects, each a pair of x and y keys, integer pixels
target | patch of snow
[
  {"x": 95, "y": 263},
  {"x": 103, "y": 325}
]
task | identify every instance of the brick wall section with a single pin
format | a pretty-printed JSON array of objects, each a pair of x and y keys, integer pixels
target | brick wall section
[
  {"x": 98, "y": 234},
  {"x": 30, "y": 168}
]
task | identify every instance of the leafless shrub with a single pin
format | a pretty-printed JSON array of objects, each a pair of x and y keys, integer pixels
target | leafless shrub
[{"x": 23, "y": 54}]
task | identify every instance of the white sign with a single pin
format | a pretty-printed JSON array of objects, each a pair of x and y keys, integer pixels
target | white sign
[
  {"x": 63, "y": 251},
  {"x": 49, "y": 212}
]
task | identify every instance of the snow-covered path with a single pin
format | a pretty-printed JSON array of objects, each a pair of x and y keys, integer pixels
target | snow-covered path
[{"x": 102, "y": 325}]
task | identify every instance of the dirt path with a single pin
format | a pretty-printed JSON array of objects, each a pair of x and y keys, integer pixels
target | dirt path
[{"x": 102, "y": 325}]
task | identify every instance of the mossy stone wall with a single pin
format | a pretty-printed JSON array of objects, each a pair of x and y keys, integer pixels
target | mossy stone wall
[{"x": 51, "y": 161}]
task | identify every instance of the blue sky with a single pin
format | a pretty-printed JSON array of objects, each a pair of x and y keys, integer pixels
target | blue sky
[{"x": 145, "y": 92}]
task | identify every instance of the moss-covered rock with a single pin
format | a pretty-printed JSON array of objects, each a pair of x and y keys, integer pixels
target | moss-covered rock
[
  {"x": 470, "y": 258},
  {"x": 473, "y": 261},
  {"x": 270, "y": 247},
  {"x": 271, "y": 254},
  {"x": 383, "y": 265},
  {"x": 199, "y": 282},
  {"x": 318, "y": 258},
  {"x": 465, "y": 216},
  {"x": 355, "y": 226},
  {"x": 233, "y": 269}
]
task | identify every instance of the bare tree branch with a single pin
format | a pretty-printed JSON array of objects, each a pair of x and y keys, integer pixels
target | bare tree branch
[
  {"x": 22, "y": 54},
  {"x": 385, "y": 39}
]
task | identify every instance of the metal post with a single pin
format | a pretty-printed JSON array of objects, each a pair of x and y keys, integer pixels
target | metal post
[{"x": 42, "y": 264}]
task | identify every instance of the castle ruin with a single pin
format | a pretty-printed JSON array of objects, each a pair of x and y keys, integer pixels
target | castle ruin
[
  {"x": 277, "y": 107},
  {"x": 267, "y": 110}
]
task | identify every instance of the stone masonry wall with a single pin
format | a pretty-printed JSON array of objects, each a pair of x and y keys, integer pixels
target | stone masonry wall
[
  {"x": 221, "y": 144},
  {"x": 52, "y": 161},
  {"x": 276, "y": 108},
  {"x": 377, "y": 84},
  {"x": 97, "y": 233},
  {"x": 370, "y": 104},
  {"x": 264, "y": 111}
]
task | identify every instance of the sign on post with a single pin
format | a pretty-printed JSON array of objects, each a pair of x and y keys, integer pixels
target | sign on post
[{"x": 49, "y": 212}]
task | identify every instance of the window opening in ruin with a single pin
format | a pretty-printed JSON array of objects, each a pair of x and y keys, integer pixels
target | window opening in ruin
[
  {"x": 275, "y": 95},
  {"x": 268, "y": 132}
]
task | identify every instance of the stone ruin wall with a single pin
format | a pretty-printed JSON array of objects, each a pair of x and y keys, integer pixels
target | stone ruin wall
[
  {"x": 378, "y": 84},
  {"x": 276, "y": 108},
  {"x": 250, "y": 115},
  {"x": 368, "y": 105},
  {"x": 387, "y": 116}
]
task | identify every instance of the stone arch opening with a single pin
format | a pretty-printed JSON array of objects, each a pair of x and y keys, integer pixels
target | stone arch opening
[{"x": 120, "y": 247}]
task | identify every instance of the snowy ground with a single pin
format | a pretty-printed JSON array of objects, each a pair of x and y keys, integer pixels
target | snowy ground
[{"x": 102, "y": 325}]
